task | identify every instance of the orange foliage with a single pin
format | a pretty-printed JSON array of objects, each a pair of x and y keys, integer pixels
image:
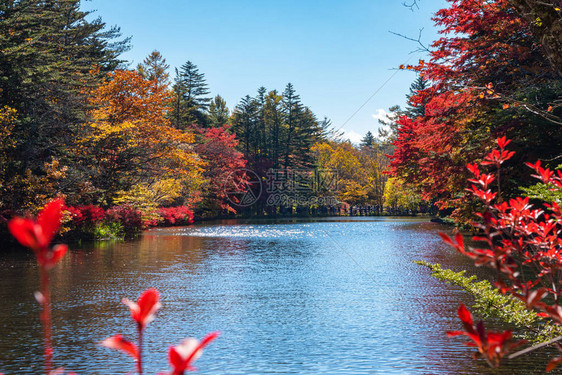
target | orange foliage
[{"x": 130, "y": 138}]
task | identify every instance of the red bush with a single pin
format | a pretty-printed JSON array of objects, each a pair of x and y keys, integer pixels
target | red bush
[
  {"x": 181, "y": 215},
  {"x": 128, "y": 216},
  {"x": 86, "y": 215}
]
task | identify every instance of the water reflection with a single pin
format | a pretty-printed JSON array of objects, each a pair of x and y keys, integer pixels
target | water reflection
[{"x": 327, "y": 296}]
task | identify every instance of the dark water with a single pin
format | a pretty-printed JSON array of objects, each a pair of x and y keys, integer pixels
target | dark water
[{"x": 331, "y": 296}]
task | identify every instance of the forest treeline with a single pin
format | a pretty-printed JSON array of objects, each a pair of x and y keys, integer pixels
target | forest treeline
[{"x": 76, "y": 121}]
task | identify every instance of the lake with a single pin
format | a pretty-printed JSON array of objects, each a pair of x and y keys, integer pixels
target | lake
[{"x": 322, "y": 296}]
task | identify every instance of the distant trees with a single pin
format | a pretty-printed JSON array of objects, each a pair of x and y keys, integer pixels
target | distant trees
[
  {"x": 217, "y": 149},
  {"x": 74, "y": 122},
  {"x": 359, "y": 171},
  {"x": 401, "y": 199},
  {"x": 277, "y": 129}
]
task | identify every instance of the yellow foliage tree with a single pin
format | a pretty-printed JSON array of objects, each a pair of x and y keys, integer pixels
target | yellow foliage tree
[
  {"x": 401, "y": 199},
  {"x": 130, "y": 142},
  {"x": 359, "y": 171}
]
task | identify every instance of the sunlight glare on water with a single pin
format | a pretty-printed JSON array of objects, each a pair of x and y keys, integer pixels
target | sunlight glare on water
[{"x": 248, "y": 231}]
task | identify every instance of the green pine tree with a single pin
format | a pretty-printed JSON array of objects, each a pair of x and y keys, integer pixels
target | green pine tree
[
  {"x": 308, "y": 131},
  {"x": 416, "y": 110},
  {"x": 277, "y": 131},
  {"x": 368, "y": 140},
  {"x": 51, "y": 56},
  {"x": 388, "y": 129},
  {"x": 191, "y": 101},
  {"x": 218, "y": 112},
  {"x": 244, "y": 119},
  {"x": 292, "y": 110}
]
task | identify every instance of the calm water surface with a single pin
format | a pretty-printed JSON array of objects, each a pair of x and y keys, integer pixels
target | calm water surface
[{"x": 328, "y": 296}]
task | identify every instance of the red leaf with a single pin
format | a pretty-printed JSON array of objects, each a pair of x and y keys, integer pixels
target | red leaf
[
  {"x": 144, "y": 310},
  {"x": 26, "y": 231},
  {"x": 182, "y": 356},
  {"x": 455, "y": 333},
  {"x": 473, "y": 168},
  {"x": 446, "y": 239},
  {"x": 554, "y": 362},
  {"x": 50, "y": 218},
  {"x": 460, "y": 241},
  {"x": 535, "y": 296},
  {"x": 117, "y": 342},
  {"x": 175, "y": 359},
  {"x": 56, "y": 255},
  {"x": 464, "y": 315}
]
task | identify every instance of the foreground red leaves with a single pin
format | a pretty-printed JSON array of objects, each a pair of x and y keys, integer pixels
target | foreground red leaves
[
  {"x": 117, "y": 342},
  {"x": 37, "y": 234},
  {"x": 183, "y": 355},
  {"x": 143, "y": 312},
  {"x": 521, "y": 242},
  {"x": 491, "y": 345}
]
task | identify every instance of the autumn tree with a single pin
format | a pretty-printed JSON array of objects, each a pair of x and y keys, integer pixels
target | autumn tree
[
  {"x": 401, "y": 199},
  {"x": 488, "y": 78},
  {"x": 360, "y": 172},
  {"x": 545, "y": 18},
  {"x": 130, "y": 140},
  {"x": 217, "y": 149}
]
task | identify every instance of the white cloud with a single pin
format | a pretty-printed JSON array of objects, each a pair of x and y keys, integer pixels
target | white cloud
[
  {"x": 380, "y": 115},
  {"x": 353, "y": 136}
]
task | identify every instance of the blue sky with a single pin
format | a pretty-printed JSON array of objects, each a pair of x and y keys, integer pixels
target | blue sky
[{"x": 336, "y": 53}]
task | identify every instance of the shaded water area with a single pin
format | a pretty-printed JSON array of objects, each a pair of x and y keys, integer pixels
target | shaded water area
[{"x": 324, "y": 296}]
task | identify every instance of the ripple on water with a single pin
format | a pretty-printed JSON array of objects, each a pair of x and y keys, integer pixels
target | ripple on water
[{"x": 331, "y": 296}]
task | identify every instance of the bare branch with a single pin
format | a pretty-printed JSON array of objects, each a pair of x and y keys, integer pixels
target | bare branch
[
  {"x": 422, "y": 47},
  {"x": 412, "y": 5},
  {"x": 530, "y": 349}
]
